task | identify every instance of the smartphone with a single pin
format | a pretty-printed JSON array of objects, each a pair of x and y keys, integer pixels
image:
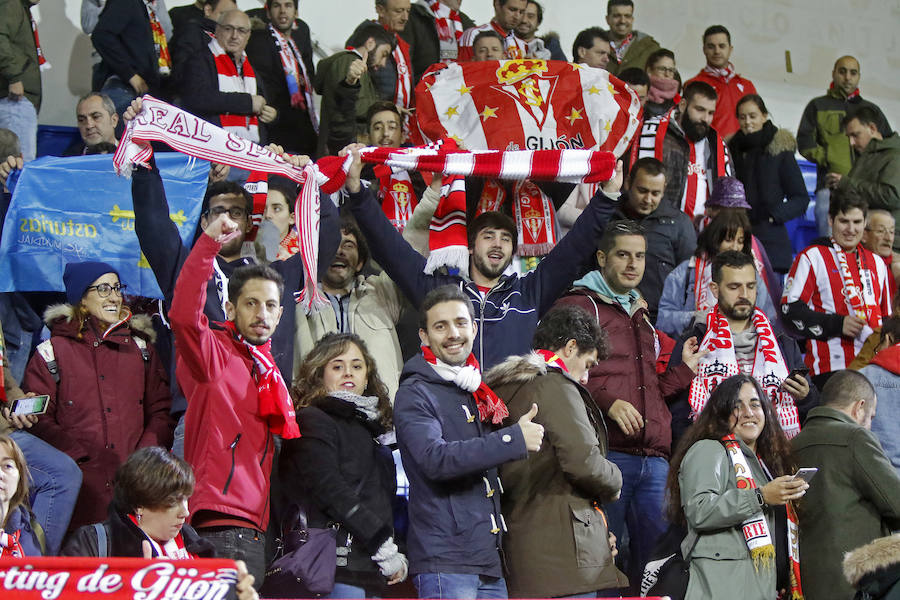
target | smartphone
[
  {"x": 802, "y": 372},
  {"x": 806, "y": 473},
  {"x": 36, "y": 405}
]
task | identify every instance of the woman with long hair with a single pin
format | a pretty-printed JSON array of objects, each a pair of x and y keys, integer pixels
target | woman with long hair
[
  {"x": 346, "y": 477},
  {"x": 686, "y": 295},
  {"x": 17, "y": 533},
  {"x": 729, "y": 482}
]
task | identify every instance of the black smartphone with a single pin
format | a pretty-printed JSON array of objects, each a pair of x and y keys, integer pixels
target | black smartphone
[{"x": 802, "y": 372}]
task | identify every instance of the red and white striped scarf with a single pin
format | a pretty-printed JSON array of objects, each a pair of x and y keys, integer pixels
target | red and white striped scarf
[
  {"x": 859, "y": 293},
  {"x": 257, "y": 185},
  {"x": 42, "y": 60},
  {"x": 230, "y": 81},
  {"x": 159, "y": 121},
  {"x": 160, "y": 46},
  {"x": 513, "y": 46},
  {"x": 533, "y": 213},
  {"x": 449, "y": 27},
  {"x": 403, "y": 96},
  {"x": 275, "y": 405},
  {"x": 622, "y": 47},
  {"x": 447, "y": 240},
  {"x": 398, "y": 199},
  {"x": 468, "y": 378},
  {"x": 769, "y": 368},
  {"x": 756, "y": 528},
  {"x": 725, "y": 73}
]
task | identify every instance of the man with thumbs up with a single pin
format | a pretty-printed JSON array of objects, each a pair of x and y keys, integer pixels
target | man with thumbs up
[
  {"x": 448, "y": 424},
  {"x": 344, "y": 81}
]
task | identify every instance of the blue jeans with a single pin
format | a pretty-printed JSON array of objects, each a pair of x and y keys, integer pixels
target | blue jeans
[
  {"x": 20, "y": 117},
  {"x": 57, "y": 480},
  {"x": 640, "y": 508},
  {"x": 823, "y": 201},
  {"x": 240, "y": 543},
  {"x": 345, "y": 590},
  {"x": 458, "y": 585}
]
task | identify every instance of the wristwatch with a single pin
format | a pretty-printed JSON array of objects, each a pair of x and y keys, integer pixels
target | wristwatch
[{"x": 760, "y": 498}]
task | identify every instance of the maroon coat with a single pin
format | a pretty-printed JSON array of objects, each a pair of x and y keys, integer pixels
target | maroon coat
[
  {"x": 108, "y": 403},
  {"x": 630, "y": 374}
]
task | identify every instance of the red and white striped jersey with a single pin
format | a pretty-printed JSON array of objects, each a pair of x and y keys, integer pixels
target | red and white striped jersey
[
  {"x": 512, "y": 44},
  {"x": 817, "y": 287}
]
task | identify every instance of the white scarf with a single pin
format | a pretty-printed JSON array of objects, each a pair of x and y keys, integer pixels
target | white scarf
[
  {"x": 769, "y": 368},
  {"x": 367, "y": 405}
]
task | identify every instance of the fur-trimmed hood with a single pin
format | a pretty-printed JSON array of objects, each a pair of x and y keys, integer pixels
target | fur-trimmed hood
[
  {"x": 516, "y": 369},
  {"x": 783, "y": 141},
  {"x": 866, "y": 560},
  {"x": 60, "y": 314}
]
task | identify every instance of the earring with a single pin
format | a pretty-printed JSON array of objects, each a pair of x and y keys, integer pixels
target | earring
[{"x": 139, "y": 515}]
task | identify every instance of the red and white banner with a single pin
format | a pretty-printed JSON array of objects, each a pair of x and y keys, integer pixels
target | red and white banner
[
  {"x": 116, "y": 579},
  {"x": 526, "y": 104}
]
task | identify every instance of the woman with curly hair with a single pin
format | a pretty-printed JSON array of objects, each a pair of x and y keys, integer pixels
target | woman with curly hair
[
  {"x": 345, "y": 476},
  {"x": 729, "y": 483}
]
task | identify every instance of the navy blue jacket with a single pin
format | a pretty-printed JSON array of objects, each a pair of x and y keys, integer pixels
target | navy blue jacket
[
  {"x": 20, "y": 520},
  {"x": 161, "y": 244},
  {"x": 451, "y": 462},
  {"x": 508, "y": 315}
]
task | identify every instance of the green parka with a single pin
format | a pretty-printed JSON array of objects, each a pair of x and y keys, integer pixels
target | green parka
[{"x": 18, "y": 53}]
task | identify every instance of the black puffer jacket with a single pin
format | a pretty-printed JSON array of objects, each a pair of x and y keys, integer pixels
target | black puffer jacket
[
  {"x": 341, "y": 474},
  {"x": 764, "y": 162}
]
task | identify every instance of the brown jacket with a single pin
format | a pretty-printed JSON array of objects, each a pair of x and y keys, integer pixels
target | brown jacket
[{"x": 557, "y": 541}]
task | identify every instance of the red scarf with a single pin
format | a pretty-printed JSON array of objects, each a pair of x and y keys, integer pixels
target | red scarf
[
  {"x": 275, "y": 404},
  {"x": 258, "y": 185},
  {"x": 552, "y": 359},
  {"x": 533, "y": 212},
  {"x": 403, "y": 92},
  {"x": 853, "y": 94},
  {"x": 513, "y": 46},
  {"x": 859, "y": 293},
  {"x": 447, "y": 21},
  {"x": 468, "y": 378},
  {"x": 10, "y": 546},
  {"x": 398, "y": 199},
  {"x": 769, "y": 368},
  {"x": 725, "y": 73},
  {"x": 42, "y": 60},
  {"x": 164, "y": 60},
  {"x": 289, "y": 245}
]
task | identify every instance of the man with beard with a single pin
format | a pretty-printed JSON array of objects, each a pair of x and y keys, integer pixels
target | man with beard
[
  {"x": 628, "y": 389},
  {"x": 739, "y": 337},
  {"x": 345, "y": 84},
  {"x": 527, "y": 31},
  {"x": 836, "y": 291},
  {"x": 632, "y": 47},
  {"x": 238, "y": 401},
  {"x": 449, "y": 431},
  {"x": 693, "y": 153},
  {"x": 281, "y": 54},
  {"x": 509, "y": 306},
  {"x": 395, "y": 81},
  {"x": 670, "y": 234},
  {"x": 507, "y": 16}
]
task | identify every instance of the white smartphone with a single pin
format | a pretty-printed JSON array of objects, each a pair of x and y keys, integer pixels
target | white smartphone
[
  {"x": 806, "y": 473},
  {"x": 35, "y": 405}
]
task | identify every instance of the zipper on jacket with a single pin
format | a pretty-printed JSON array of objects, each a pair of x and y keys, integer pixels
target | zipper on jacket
[
  {"x": 233, "y": 447},
  {"x": 265, "y": 450}
]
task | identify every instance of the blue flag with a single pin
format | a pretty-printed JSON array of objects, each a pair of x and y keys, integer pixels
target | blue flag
[{"x": 76, "y": 209}]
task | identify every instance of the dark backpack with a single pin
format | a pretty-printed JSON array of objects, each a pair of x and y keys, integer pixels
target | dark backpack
[{"x": 667, "y": 572}]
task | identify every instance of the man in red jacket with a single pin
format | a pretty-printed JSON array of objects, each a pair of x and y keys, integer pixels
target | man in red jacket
[
  {"x": 719, "y": 73},
  {"x": 236, "y": 397},
  {"x": 628, "y": 390}
]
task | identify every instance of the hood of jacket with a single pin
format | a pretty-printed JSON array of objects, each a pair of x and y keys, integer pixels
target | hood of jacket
[
  {"x": 866, "y": 560},
  {"x": 516, "y": 370},
  {"x": 59, "y": 320},
  {"x": 892, "y": 142},
  {"x": 889, "y": 359},
  {"x": 782, "y": 141}
]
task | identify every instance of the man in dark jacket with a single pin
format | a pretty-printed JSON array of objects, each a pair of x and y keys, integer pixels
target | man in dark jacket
[
  {"x": 628, "y": 390},
  {"x": 509, "y": 306},
  {"x": 855, "y": 496},
  {"x": 192, "y": 36},
  {"x": 281, "y": 54},
  {"x": 432, "y": 32},
  {"x": 446, "y": 420},
  {"x": 821, "y": 138},
  {"x": 135, "y": 61},
  {"x": 734, "y": 280},
  {"x": 632, "y": 47},
  {"x": 876, "y": 173},
  {"x": 220, "y": 85},
  {"x": 671, "y": 238},
  {"x": 20, "y": 74},
  {"x": 560, "y": 488}
]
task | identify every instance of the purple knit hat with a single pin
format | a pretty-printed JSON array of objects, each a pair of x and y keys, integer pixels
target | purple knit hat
[{"x": 728, "y": 192}]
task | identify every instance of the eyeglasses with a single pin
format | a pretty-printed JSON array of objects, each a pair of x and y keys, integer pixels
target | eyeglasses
[
  {"x": 104, "y": 289},
  {"x": 235, "y": 212},
  {"x": 882, "y": 231},
  {"x": 665, "y": 70},
  {"x": 229, "y": 29}
]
